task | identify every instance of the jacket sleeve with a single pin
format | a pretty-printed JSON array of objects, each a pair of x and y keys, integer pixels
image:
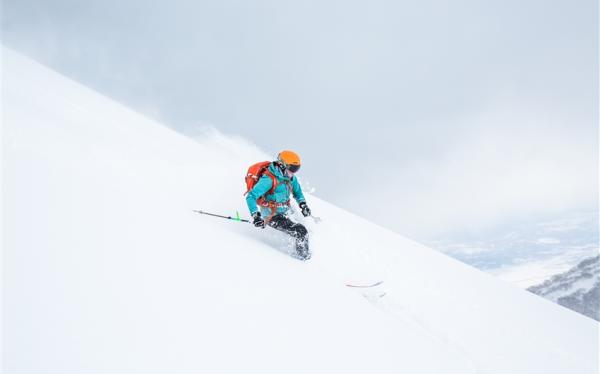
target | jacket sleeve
[
  {"x": 262, "y": 187},
  {"x": 297, "y": 191}
]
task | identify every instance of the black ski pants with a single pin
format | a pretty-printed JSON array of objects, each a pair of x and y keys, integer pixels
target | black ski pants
[{"x": 296, "y": 230}]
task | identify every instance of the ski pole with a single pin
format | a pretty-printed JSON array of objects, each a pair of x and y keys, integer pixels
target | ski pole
[{"x": 236, "y": 218}]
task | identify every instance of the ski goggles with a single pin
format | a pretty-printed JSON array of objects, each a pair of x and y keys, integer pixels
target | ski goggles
[{"x": 293, "y": 168}]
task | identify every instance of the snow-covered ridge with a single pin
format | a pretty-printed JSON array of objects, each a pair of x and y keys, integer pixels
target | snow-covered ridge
[
  {"x": 108, "y": 270},
  {"x": 528, "y": 253},
  {"x": 577, "y": 289}
]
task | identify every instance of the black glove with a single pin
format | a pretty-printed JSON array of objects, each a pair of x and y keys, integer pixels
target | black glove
[
  {"x": 258, "y": 221},
  {"x": 305, "y": 209}
]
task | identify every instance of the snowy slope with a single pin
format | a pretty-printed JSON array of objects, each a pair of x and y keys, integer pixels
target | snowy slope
[
  {"x": 577, "y": 289},
  {"x": 107, "y": 270}
]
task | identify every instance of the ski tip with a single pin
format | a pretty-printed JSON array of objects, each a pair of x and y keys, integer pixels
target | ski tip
[{"x": 364, "y": 285}]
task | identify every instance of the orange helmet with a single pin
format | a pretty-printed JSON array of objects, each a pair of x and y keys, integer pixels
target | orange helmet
[{"x": 290, "y": 160}]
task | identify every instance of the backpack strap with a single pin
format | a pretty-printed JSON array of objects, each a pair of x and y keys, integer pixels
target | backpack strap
[
  {"x": 272, "y": 206},
  {"x": 273, "y": 179},
  {"x": 275, "y": 183}
]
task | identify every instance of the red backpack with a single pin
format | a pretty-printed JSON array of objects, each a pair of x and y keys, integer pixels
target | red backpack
[{"x": 255, "y": 172}]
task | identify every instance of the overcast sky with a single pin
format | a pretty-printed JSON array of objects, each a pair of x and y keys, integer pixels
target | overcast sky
[{"x": 429, "y": 117}]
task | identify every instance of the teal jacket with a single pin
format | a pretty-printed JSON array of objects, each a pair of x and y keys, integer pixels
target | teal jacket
[{"x": 281, "y": 194}]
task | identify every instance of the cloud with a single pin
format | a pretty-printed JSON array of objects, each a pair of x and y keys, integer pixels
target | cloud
[
  {"x": 389, "y": 116},
  {"x": 506, "y": 166}
]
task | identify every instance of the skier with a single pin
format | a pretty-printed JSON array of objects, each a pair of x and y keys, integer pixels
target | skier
[{"x": 271, "y": 191}]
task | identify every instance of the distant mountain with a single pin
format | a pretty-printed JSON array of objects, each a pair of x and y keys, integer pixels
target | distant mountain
[
  {"x": 528, "y": 253},
  {"x": 577, "y": 289},
  {"x": 574, "y": 236}
]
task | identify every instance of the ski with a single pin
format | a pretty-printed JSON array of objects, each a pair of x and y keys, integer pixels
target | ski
[{"x": 364, "y": 285}]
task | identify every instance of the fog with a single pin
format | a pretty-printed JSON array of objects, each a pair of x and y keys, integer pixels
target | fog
[{"x": 429, "y": 118}]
